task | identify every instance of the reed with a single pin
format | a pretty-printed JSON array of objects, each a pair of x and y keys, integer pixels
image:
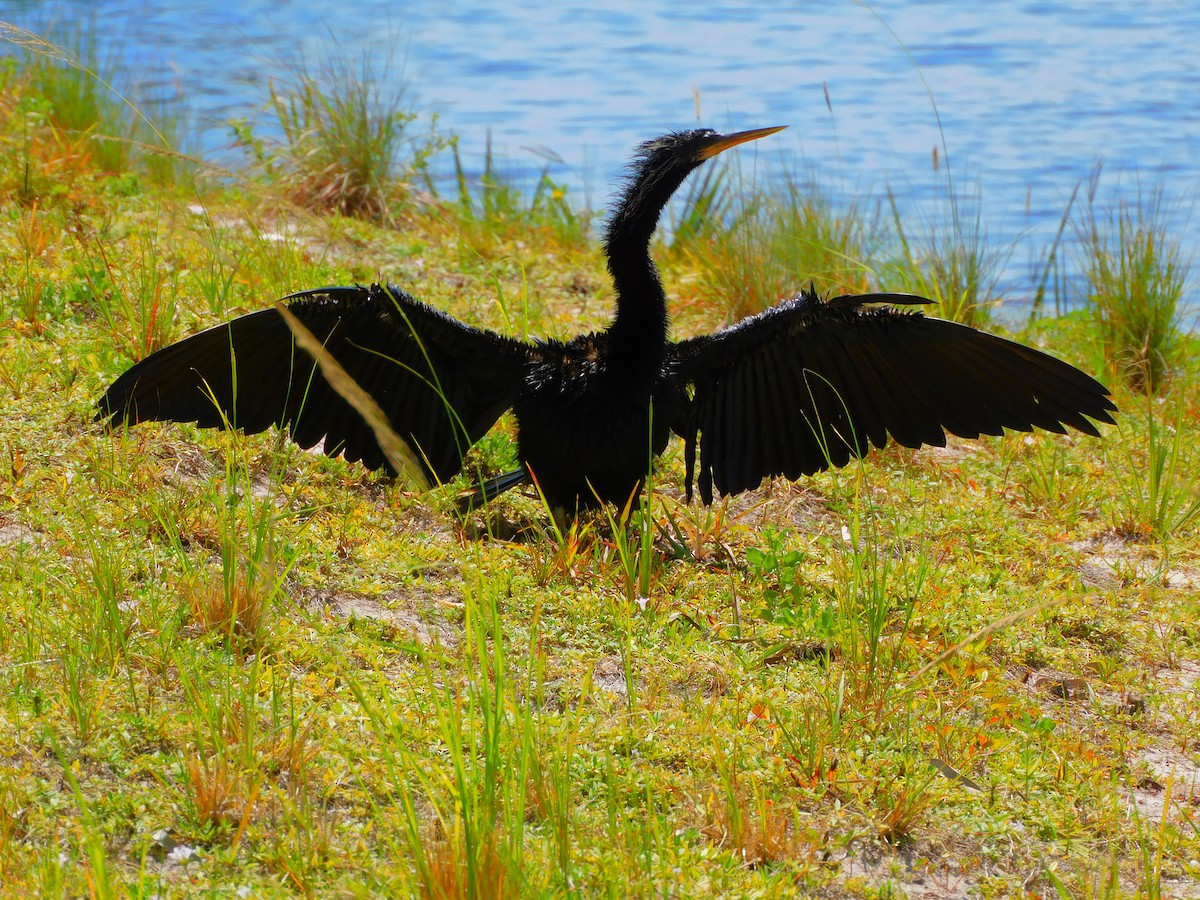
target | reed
[
  {"x": 348, "y": 145},
  {"x": 752, "y": 246},
  {"x": 948, "y": 258},
  {"x": 84, "y": 94},
  {"x": 1136, "y": 278}
]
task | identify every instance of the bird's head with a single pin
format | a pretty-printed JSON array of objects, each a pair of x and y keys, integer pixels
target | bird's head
[
  {"x": 658, "y": 168},
  {"x": 675, "y": 154}
]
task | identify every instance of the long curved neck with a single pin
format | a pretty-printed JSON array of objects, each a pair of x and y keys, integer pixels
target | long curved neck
[
  {"x": 640, "y": 324},
  {"x": 641, "y": 318}
]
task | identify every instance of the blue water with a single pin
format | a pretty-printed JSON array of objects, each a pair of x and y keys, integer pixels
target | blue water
[{"x": 1031, "y": 96}]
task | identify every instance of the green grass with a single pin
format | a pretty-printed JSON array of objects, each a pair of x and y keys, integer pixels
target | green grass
[
  {"x": 1137, "y": 280},
  {"x": 494, "y": 210},
  {"x": 751, "y": 246},
  {"x": 348, "y": 145},
  {"x": 949, "y": 258},
  {"x": 228, "y": 665},
  {"x": 1159, "y": 478},
  {"x": 100, "y": 116}
]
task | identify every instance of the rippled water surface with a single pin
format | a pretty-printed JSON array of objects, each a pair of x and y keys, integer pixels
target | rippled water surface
[{"x": 1030, "y": 95}]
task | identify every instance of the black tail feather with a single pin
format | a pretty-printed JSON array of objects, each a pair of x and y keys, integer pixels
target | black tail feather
[{"x": 489, "y": 490}]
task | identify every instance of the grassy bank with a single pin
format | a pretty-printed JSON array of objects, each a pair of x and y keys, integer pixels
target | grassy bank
[{"x": 227, "y": 664}]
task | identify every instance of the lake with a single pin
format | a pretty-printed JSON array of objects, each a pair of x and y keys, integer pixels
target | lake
[{"x": 1031, "y": 96}]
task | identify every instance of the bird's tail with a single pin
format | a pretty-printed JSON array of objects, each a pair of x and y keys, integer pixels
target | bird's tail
[{"x": 489, "y": 490}]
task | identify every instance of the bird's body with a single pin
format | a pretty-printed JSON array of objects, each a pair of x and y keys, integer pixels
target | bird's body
[
  {"x": 803, "y": 386},
  {"x": 587, "y": 425}
]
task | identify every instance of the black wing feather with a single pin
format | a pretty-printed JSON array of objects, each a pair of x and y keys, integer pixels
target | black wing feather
[
  {"x": 441, "y": 383},
  {"x": 847, "y": 376}
]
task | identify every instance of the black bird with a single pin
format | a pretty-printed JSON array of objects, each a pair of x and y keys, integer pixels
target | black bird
[{"x": 806, "y": 385}]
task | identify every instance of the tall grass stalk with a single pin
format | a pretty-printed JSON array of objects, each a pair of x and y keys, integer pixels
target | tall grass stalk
[
  {"x": 89, "y": 642},
  {"x": 950, "y": 261},
  {"x": 880, "y": 583},
  {"x": 465, "y": 826},
  {"x": 881, "y": 580},
  {"x": 137, "y": 302},
  {"x": 744, "y": 819},
  {"x": 633, "y": 538},
  {"x": 1136, "y": 277},
  {"x": 126, "y": 127},
  {"x": 1049, "y": 271},
  {"x": 760, "y": 247},
  {"x": 1157, "y": 476},
  {"x": 33, "y": 284},
  {"x": 495, "y": 205},
  {"x": 224, "y": 256},
  {"x": 219, "y": 765},
  {"x": 344, "y": 135},
  {"x": 235, "y": 603},
  {"x": 99, "y": 878},
  {"x": 551, "y": 751}
]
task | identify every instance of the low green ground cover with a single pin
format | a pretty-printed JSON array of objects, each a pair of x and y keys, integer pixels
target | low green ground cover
[{"x": 229, "y": 665}]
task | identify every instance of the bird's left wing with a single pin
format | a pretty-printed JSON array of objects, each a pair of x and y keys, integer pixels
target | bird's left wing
[
  {"x": 441, "y": 383},
  {"x": 812, "y": 383}
]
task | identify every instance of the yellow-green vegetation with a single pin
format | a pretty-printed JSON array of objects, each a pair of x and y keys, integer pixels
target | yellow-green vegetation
[
  {"x": 949, "y": 261},
  {"x": 746, "y": 245},
  {"x": 227, "y": 665},
  {"x": 341, "y": 136},
  {"x": 1136, "y": 276}
]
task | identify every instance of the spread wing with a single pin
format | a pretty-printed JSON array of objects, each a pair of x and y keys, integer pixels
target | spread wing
[
  {"x": 810, "y": 384},
  {"x": 441, "y": 383}
]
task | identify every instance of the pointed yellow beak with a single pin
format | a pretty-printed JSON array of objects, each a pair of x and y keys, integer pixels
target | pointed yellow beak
[{"x": 722, "y": 142}]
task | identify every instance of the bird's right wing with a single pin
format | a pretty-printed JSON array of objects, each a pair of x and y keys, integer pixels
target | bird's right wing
[
  {"x": 810, "y": 384},
  {"x": 441, "y": 383}
]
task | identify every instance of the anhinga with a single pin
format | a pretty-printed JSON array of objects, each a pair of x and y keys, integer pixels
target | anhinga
[{"x": 808, "y": 384}]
